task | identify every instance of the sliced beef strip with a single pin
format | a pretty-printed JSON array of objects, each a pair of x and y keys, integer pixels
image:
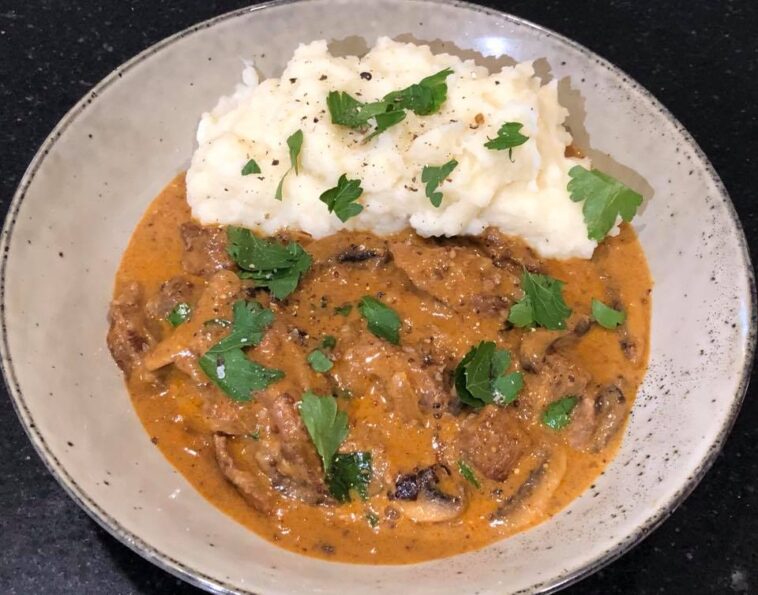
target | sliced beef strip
[
  {"x": 250, "y": 482},
  {"x": 128, "y": 336},
  {"x": 204, "y": 249},
  {"x": 283, "y": 461},
  {"x": 287, "y": 455},
  {"x": 176, "y": 290},
  {"x": 493, "y": 441},
  {"x": 459, "y": 278},
  {"x": 508, "y": 252},
  {"x": 409, "y": 384},
  {"x": 221, "y": 414}
]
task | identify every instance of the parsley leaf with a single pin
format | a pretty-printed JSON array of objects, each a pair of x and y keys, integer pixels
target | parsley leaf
[
  {"x": 328, "y": 342},
  {"x": 280, "y": 187},
  {"x": 468, "y": 474},
  {"x": 269, "y": 263},
  {"x": 422, "y": 98},
  {"x": 384, "y": 121},
  {"x": 382, "y": 320},
  {"x": 251, "y": 167},
  {"x": 237, "y": 375},
  {"x": 557, "y": 415},
  {"x": 179, "y": 314},
  {"x": 248, "y": 327},
  {"x": 326, "y": 425},
  {"x": 606, "y": 316},
  {"x": 372, "y": 519},
  {"x": 294, "y": 144},
  {"x": 508, "y": 137},
  {"x": 506, "y": 388},
  {"x": 477, "y": 372},
  {"x": 340, "y": 199},
  {"x": 319, "y": 361},
  {"x": 542, "y": 303},
  {"x": 433, "y": 176},
  {"x": 501, "y": 359},
  {"x": 479, "y": 379},
  {"x": 345, "y": 110},
  {"x": 344, "y": 310},
  {"x": 350, "y": 471},
  {"x": 605, "y": 199}
]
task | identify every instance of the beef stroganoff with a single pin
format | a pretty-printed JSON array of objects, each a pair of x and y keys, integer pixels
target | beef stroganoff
[{"x": 393, "y": 315}]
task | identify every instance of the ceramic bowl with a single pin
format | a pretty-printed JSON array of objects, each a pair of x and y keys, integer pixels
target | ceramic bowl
[{"x": 91, "y": 180}]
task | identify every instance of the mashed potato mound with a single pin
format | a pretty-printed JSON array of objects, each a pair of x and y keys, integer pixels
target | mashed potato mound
[{"x": 524, "y": 195}]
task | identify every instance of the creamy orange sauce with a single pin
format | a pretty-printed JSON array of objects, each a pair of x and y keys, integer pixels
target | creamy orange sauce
[{"x": 400, "y": 439}]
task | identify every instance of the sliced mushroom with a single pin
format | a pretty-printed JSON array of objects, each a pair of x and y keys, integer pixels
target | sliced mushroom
[
  {"x": 597, "y": 419},
  {"x": 359, "y": 253},
  {"x": 417, "y": 496},
  {"x": 611, "y": 411},
  {"x": 529, "y": 501},
  {"x": 538, "y": 343}
]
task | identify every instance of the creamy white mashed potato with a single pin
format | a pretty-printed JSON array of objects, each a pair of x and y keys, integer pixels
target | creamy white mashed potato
[{"x": 525, "y": 196}]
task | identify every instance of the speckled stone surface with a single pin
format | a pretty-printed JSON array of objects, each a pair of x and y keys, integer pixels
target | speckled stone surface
[{"x": 699, "y": 60}]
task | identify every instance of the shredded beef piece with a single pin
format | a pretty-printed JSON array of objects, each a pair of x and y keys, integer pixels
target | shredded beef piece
[{"x": 204, "y": 249}]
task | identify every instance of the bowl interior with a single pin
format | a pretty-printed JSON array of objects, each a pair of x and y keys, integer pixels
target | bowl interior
[{"x": 111, "y": 155}]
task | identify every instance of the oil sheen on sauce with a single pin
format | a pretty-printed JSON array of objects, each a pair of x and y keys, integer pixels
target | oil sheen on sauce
[{"x": 341, "y": 533}]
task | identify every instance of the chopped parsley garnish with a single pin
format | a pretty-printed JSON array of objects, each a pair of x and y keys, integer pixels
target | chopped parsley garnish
[
  {"x": 248, "y": 327},
  {"x": 345, "y": 110},
  {"x": 294, "y": 143},
  {"x": 350, "y": 471},
  {"x": 237, "y": 375},
  {"x": 384, "y": 121},
  {"x": 542, "y": 303},
  {"x": 319, "y": 361},
  {"x": 508, "y": 137},
  {"x": 605, "y": 199},
  {"x": 344, "y": 310},
  {"x": 227, "y": 365},
  {"x": 269, "y": 263},
  {"x": 468, "y": 474},
  {"x": 251, "y": 167},
  {"x": 326, "y": 425},
  {"x": 328, "y": 342},
  {"x": 557, "y": 415},
  {"x": 480, "y": 377},
  {"x": 382, "y": 320},
  {"x": 181, "y": 313},
  {"x": 372, "y": 518},
  {"x": 606, "y": 316},
  {"x": 341, "y": 199},
  {"x": 422, "y": 98},
  {"x": 433, "y": 176}
]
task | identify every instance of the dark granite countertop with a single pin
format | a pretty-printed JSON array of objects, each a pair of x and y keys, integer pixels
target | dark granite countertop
[{"x": 698, "y": 58}]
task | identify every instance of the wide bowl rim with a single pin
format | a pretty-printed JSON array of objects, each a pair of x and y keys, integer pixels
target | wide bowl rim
[{"x": 212, "y": 584}]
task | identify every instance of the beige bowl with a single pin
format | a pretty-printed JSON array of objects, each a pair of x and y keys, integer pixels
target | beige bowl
[{"x": 88, "y": 185}]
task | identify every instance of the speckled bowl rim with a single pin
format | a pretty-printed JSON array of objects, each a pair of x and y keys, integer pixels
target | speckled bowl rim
[{"x": 199, "y": 579}]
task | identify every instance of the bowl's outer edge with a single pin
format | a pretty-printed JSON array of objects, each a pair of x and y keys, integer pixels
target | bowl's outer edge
[{"x": 215, "y": 585}]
